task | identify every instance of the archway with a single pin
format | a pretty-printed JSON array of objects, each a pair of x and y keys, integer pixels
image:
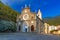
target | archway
[
  {"x": 32, "y": 28},
  {"x": 19, "y": 28},
  {"x": 25, "y": 27}
]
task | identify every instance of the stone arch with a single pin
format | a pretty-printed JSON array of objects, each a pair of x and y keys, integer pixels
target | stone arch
[
  {"x": 25, "y": 27},
  {"x": 19, "y": 28},
  {"x": 32, "y": 28}
]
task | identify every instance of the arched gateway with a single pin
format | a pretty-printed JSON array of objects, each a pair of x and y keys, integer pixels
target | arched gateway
[
  {"x": 32, "y": 28},
  {"x": 25, "y": 27}
]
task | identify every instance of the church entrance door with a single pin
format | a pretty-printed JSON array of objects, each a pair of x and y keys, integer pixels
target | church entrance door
[
  {"x": 19, "y": 28},
  {"x": 32, "y": 28},
  {"x": 25, "y": 27}
]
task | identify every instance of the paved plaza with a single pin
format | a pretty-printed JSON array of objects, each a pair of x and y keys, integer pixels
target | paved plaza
[{"x": 27, "y": 36}]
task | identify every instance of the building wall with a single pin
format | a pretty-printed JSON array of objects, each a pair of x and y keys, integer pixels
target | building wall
[
  {"x": 40, "y": 26},
  {"x": 47, "y": 27}
]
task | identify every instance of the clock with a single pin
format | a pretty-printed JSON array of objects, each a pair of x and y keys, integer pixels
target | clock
[{"x": 25, "y": 16}]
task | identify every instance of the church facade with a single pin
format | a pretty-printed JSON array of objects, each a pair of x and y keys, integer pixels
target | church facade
[{"x": 29, "y": 21}]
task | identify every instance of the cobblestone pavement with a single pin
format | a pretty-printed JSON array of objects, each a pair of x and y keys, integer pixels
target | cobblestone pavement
[{"x": 27, "y": 36}]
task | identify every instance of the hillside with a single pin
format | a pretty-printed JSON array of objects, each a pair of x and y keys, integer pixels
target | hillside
[
  {"x": 6, "y": 13},
  {"x": 53, "y": 20},
  {"x": 7, "y": 18}
]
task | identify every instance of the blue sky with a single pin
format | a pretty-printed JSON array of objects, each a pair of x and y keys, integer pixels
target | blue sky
[{"x": 49, "y": 8}]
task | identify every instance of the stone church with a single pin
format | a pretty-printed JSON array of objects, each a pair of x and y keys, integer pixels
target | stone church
[{"x": 29, "y": 21}]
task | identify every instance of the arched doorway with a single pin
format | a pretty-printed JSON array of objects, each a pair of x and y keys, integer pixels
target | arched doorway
[
  {"x": 19, "y": 28},
  {"x": 25, "y": 27},
  {"x": 32, "y": 28}
]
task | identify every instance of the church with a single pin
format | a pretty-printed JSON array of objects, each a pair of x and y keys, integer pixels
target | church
[{"x": 29, "y": 21}]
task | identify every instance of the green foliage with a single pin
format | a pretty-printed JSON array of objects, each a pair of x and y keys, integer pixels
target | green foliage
[
  {"x": 53, "y": 21},
  {"x": 7, "y": 18},
  {"x": 7, "y": 13},
  {"x": 7, "y": 26}
]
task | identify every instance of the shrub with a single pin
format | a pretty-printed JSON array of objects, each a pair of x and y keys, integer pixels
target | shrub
[{"x": 7, "y": 26}]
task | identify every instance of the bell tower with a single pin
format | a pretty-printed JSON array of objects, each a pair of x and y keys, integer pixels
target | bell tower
[{"x": 39, "y": 14}]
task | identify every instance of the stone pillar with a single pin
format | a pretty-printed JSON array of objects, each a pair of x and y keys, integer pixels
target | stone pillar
[{"x": 29, "y": 29}]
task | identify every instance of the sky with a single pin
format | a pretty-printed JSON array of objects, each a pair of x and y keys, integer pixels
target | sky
[{"x": 48, "y": 8}]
